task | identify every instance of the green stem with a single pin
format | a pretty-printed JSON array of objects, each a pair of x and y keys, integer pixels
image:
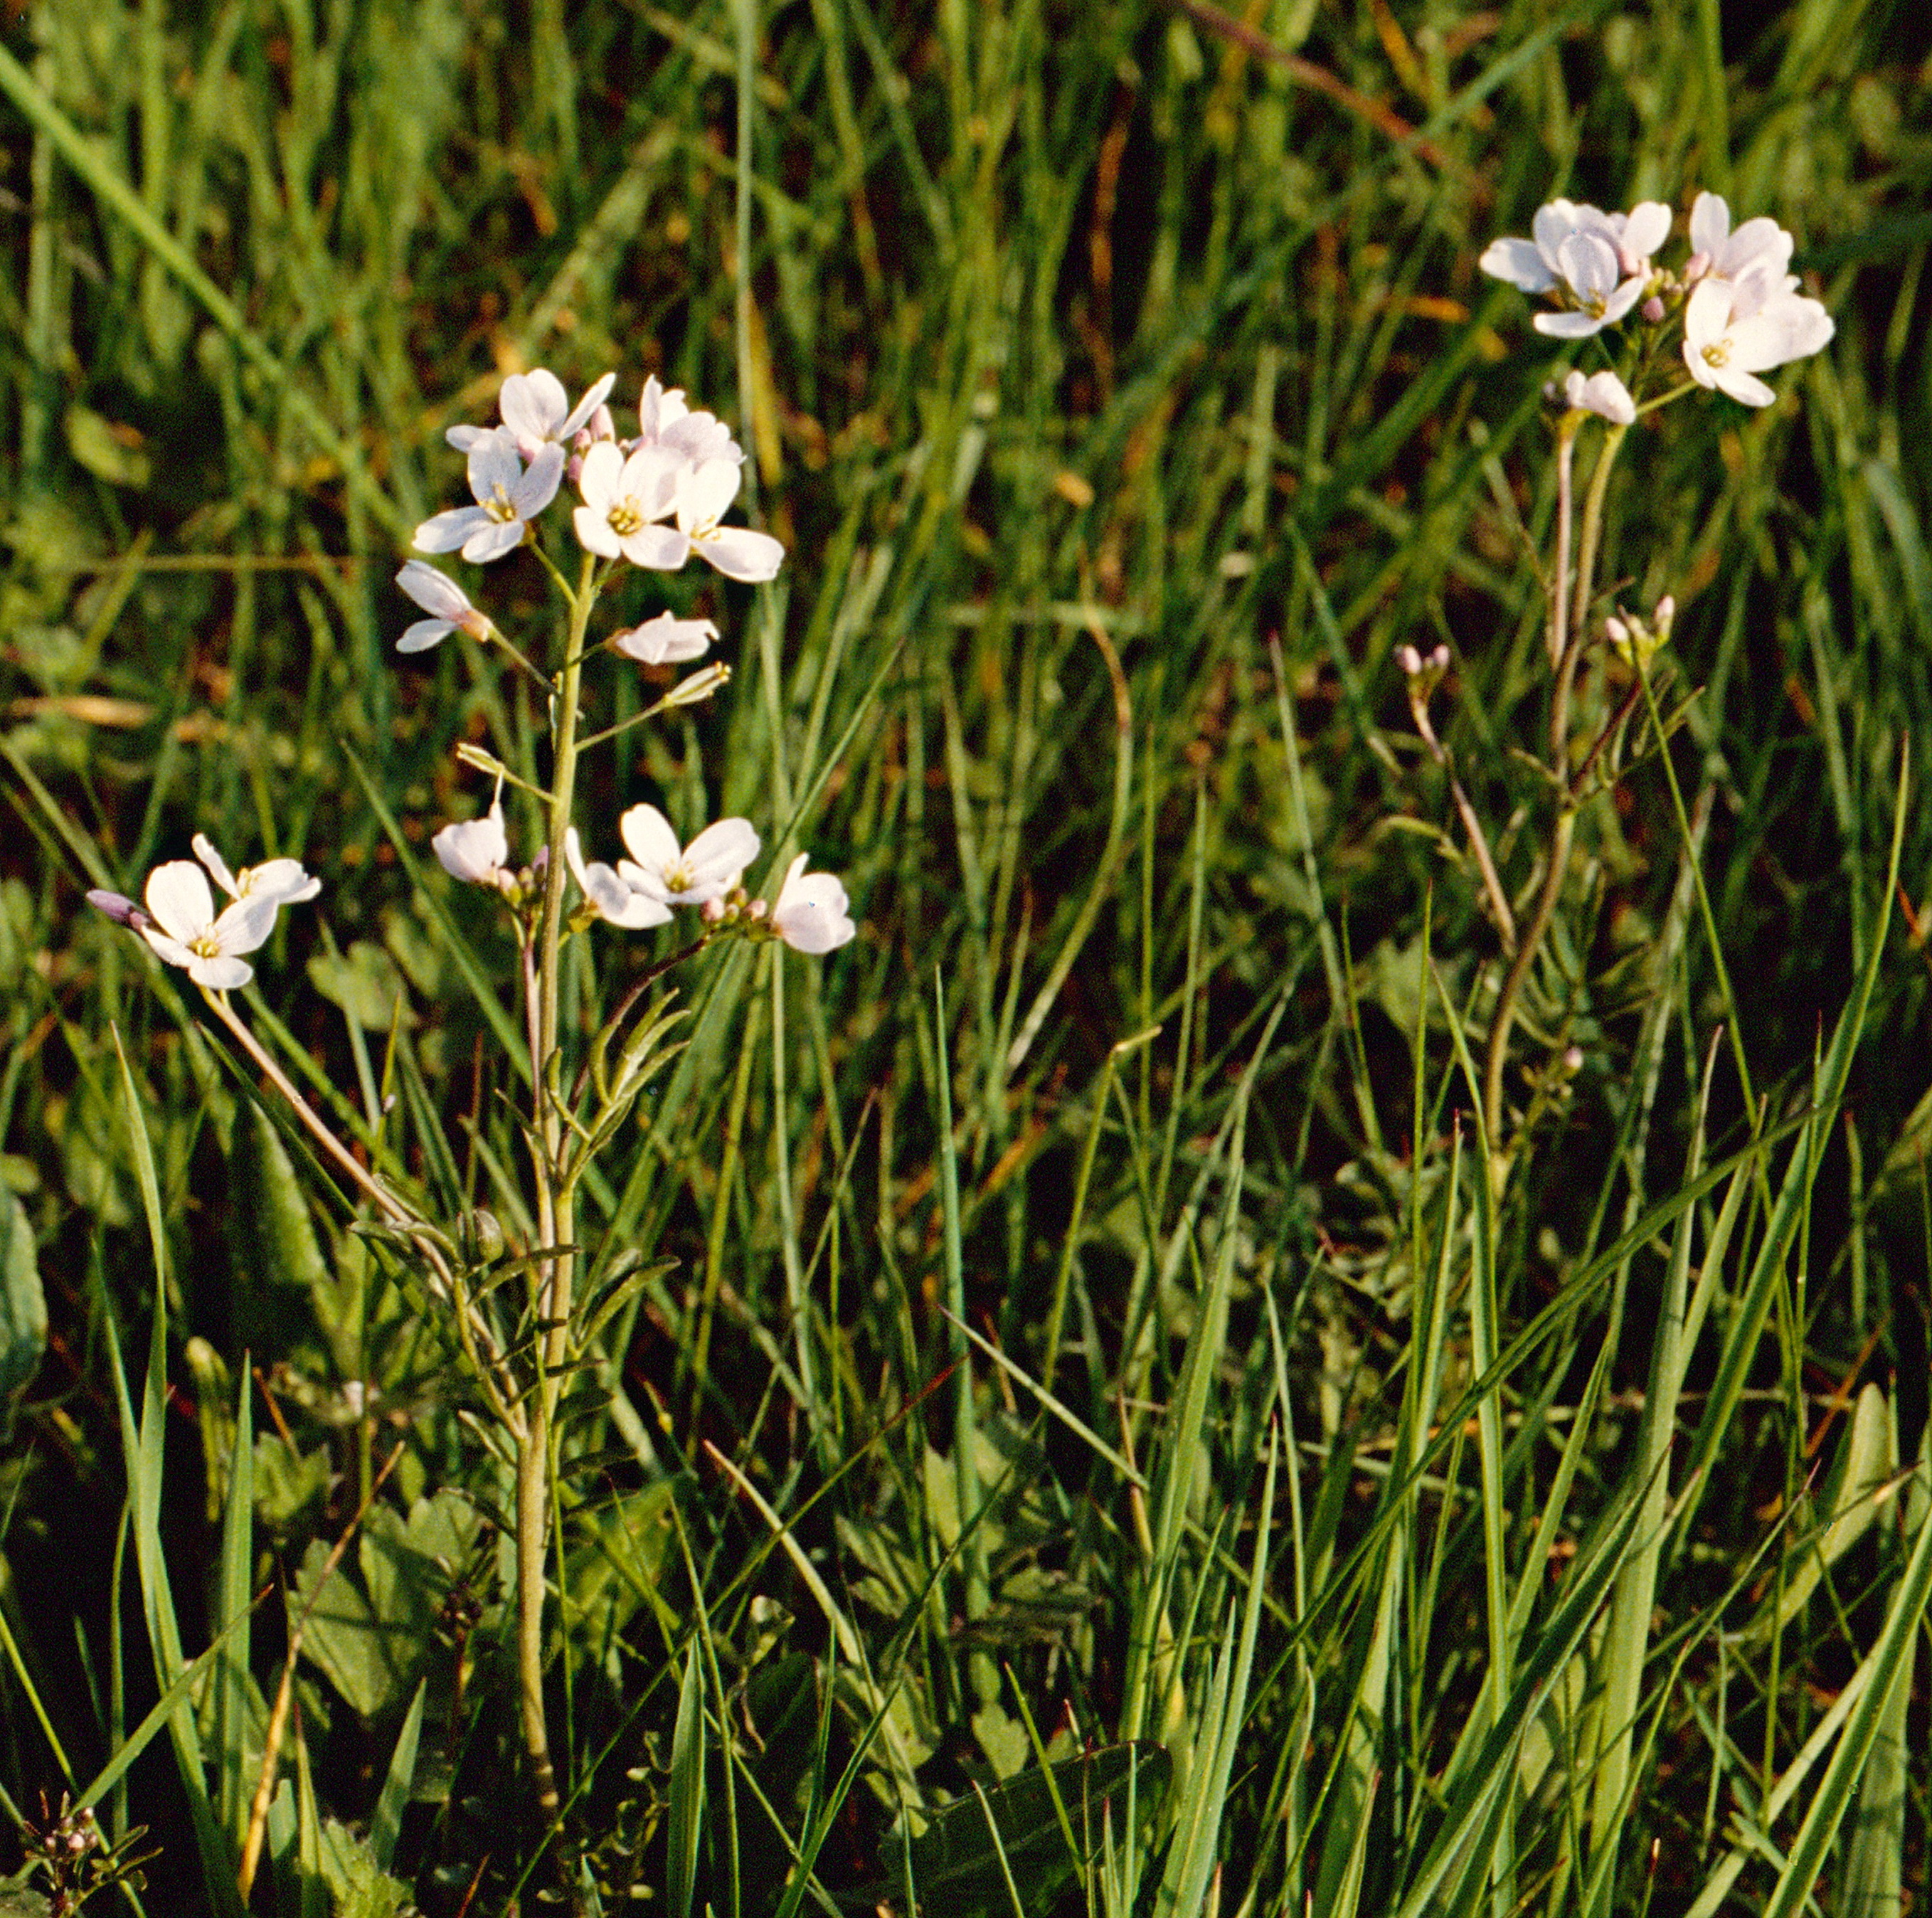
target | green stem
[
  {"x": 551, "y": 1271},
  {"x": 1569, "y": 624}
]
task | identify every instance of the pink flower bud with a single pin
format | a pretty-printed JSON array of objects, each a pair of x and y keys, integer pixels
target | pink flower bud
[
  {"x": 1409, "y": 659},
  {"x": 1652, "y": 309}
]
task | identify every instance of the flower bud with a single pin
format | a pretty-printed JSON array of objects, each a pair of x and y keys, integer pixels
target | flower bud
[
  {"x": 1409, "y": 659},
  {"x": 700, "y": 686}
]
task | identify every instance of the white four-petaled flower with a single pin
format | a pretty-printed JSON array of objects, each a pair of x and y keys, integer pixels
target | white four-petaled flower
[
  {"x": 812, "y": 913},
  {"x": 624, "y": 498},
  {"x": 282, "y": 881},
  {"x": 1735, "y": 330},
  {"x": 535, "y": 410},
  {"x": 508, "y": 495},
  {"x": 182, "y": 925},
  {"x": 664, "y": 420},
  {"x": 703, "y": 492},
  {"x": 610, "y": 895},
  {"x": 1598, "y": 261},
  {"x": 707, "y": 870},
  {"x": 1718, "y": 254}
]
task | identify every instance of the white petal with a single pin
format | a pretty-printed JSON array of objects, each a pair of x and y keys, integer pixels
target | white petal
[
  {"x": 1706, "y": 313},
  {"x": 533, "y": 404},
  {"x": 599, "y": 477},
  {"x": 663, "y": 548},
  {"x": 285, "y": 880},
  {"x": 224, "y": 975},
  {"x": 448, "y": 531},
  {"x": 1589, "y": 262},
  {"x": 172, "y": 950},
  {"x": 739, "y": 552},
  {"x": 588, "y": 405},
  {"x": 812, "y": 913},
  {"x": 433, "y": 590},
  {"x": 494, "y": 462},
  {"x": 245, "y": 925},
  {"x": 218, "y": 866},
  {"x": 423, "y": 634},
  {"x": 593, "y": 529},
  {"x": 179, "y": 899},
  {"x": 720, "y": 853},
  {"x": 1647, "y": 229},
  {"x": 1518, "y": 262},
  {"x": 1569, "y": 326},
  {"x": 464, "y": 437},
  {"x": 1745, "y": 387},
  {"x": 1788, "y": 329},
  {"x": 474, "y": 850},
  {"x": 704, "y": 491},
  {"x": 537, "y": 486},
  {"x": 492, "y": 540},
  {"x": 1710, "y": 223},
  {"x": 651, "y": 477},
  {"x": 648, "y": 837}
]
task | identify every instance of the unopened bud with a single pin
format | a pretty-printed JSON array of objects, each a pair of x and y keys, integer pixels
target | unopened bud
[
  {"x": 1695, "y": 267},
  {"x": 1652, "y": 309},
  {"x": 483, "y": 762},
  {"x": 123, "y": 911},
  {"x": 701, "y": 685},
  {"x": 1617, "y": 630},
  {"x": 1409, "y": 659},
  {"x": 1666, "y": 613}
]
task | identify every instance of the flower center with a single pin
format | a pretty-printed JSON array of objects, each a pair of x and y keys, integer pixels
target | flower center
[
  {"x": 204, "y": 945},
  {"x": 498, "y": 506},
  {"x": 626, "y": 517},
  {"x": 1717, "y": 353},
  {"x": 677, "y": 878}
]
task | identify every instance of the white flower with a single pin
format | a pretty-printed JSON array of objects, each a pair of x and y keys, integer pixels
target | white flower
[
  {"x": 623, "y": 498},
  {"x": 477, "y": 850},
  {"x": 811, "y": 915},
  {"x": 280, "y": 882},
  {"x": 1589, "y": 265},
  {"x": 1720, "y": 254},
  {"x": 610, "y": 896},
  {"x": 707, "y": 870},
  {"x": 182, "y": 928},
  {"x": 1733, "y": 332},
  {"x": 507, "y": 496},
  {"x": 703, "y": 492},
  {"x": 436, "y": 594},
  {"x": 664, "y": 420},
  {"x": 1603, "y": 394},
  {"x": 536, "y": 410},
  {"x": 665, "y": 640},
  {"x": 1601, "y": 260}
]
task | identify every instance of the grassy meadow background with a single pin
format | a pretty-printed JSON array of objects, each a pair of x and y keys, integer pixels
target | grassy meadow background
[{"x": 1079, "y": 1324}]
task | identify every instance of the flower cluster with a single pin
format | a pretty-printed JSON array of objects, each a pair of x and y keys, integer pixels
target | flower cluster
[
  {"x": 180, "y": 922},
  {"x": 1740, "y": 308}
]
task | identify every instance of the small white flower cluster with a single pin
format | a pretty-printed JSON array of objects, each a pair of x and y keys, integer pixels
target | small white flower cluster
[
  {"x": 1742, "y": 313},
  {"x": 181, "y": 923},
  {"x": 682, "y": 466}
]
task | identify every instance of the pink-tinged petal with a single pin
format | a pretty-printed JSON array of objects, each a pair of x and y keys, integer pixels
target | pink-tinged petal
[
  {"x": 588, "y": 405},
  {"x": 662, "y": 548},
  {"x": 433, "y": 590},
  {"x": 665, "y": 639},
  {"x": 423, "y": 634},
  {"x": 537, "y": 486},
  {"x": 203, "y": 849},
  {"x": 448, "y": 531},
  {"x": 1589, "y": 262},
  {"x": 179, "y": 901},
  {"x": 492, "y": 540},
  {"x": 220, "y": 974},
  {"x": 740, "y": 553},
  {"x": 599, "y": 477},
  {"x": 648, "y": 838},
  {"x": 117, "y": 906},
  {"x": 1520, "y": 263},
  {"x": 1552, "y": 225},
  {"x": 594, "y": 533}
]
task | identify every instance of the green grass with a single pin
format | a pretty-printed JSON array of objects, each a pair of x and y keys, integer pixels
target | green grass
[{"x": 1083, "y": 1436}]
